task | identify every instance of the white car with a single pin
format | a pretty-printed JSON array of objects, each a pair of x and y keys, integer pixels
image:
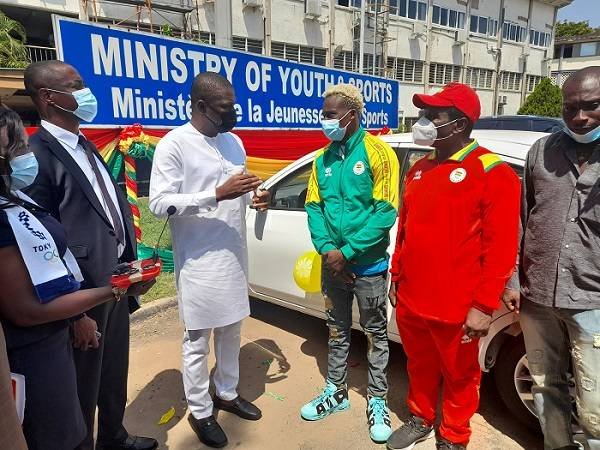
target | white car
[{"x": 277, "y": 238}]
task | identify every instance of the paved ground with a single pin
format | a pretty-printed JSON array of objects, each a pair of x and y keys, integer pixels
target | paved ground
[{"x": 283, "y": 359}]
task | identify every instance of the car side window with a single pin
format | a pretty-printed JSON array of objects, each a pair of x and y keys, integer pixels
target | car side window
[
  {"x": 290, "y": 193},
  {"x": 518, "y": 170},
  {"x": 412, "y": 156}
]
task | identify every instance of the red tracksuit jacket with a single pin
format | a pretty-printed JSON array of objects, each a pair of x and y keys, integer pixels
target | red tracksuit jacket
[{"x": 458, "y": 234}]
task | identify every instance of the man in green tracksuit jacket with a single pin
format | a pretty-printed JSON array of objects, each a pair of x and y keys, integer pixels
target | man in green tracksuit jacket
[{"x": 352, "y": 203}]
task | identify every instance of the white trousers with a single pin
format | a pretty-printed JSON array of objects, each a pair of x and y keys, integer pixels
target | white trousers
[{"x": 195, "y": 366}]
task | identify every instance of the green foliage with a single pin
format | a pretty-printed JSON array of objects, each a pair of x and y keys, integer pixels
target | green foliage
[
  {"x": 570, "y": 29},
  {"x": 151, "y": 227},
  {"x": 13, "y": 53},
  {"x": 402, "y": 128},
  {"x": 166, "y": 30},
  {"x": 545, "y": 100},
  {"x": 164, "y": 287}
]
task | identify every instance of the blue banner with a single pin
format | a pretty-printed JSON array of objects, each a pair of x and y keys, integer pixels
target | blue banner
[{"x": 146, "y": 78}]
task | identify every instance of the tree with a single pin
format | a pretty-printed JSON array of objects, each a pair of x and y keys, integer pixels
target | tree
[
  {"x": 13, "y": 53},
  {"x": 569, "y": 29},
  {"x": 545, "y": 100}
]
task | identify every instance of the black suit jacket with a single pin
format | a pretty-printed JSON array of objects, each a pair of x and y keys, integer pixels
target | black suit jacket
[{"x": 63, "y": 189}]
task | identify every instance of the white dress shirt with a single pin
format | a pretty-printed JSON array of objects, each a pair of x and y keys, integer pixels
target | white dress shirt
[
  {"x": 70, "y": 142},
  {"x": 209, "y": 238}
]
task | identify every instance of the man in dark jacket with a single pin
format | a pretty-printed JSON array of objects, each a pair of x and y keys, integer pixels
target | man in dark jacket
[{"x": 75, "y": 186}]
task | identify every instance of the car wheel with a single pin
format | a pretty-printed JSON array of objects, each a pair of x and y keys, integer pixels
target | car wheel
[{"x": 513, "y": 381}]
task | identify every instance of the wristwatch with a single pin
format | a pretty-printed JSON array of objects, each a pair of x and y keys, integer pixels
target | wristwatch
[{"x": 118, "y": 292}]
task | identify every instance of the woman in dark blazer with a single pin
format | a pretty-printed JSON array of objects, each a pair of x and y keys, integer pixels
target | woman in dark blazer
[{"x": 35, "y": 317}]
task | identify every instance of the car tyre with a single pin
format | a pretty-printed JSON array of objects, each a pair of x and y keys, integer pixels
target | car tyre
[{"x": 513, "y": 380}]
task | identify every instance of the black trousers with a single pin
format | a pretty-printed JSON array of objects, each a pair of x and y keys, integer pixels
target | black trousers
[
  {"x": 53, "y": 420},
  {"x": 102, "y": 374}
]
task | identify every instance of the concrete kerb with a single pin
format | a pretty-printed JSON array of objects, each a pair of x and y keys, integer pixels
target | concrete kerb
[{"x": 154, "y": 307}]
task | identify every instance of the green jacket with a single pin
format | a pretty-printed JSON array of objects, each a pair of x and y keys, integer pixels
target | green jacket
[{"x": 352, "y": 198}]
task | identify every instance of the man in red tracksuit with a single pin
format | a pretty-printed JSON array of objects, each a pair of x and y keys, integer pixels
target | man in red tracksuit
[{"x": 456, "y": 248}]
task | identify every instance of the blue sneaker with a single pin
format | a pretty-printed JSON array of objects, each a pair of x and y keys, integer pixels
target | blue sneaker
[
  {"x": 331, "y": 400},
  {"x": 380, "y": 426}
]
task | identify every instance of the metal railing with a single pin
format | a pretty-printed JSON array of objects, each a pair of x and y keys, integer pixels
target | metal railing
[{"x": 37, "y": 53}]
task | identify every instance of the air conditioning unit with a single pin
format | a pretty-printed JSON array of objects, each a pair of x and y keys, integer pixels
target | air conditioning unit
[
  {"x": 312, "y": 9},
  {"x": 503, "y": 100},
  {"x": 252, "y": 3},
  {"x": 461, "y": 37}
]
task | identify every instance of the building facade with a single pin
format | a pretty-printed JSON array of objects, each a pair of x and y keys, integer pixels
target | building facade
[
  {"x": 574, "y": 53},
  {"x": 502, "y": 48}
]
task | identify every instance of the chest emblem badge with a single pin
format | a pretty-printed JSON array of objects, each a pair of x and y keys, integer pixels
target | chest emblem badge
[
  {"x": 328, "y": 172},
  {"x": 359, "y": 168},
  {"x": 418, "y": 174},
  {"x": 457, "y": 175}
]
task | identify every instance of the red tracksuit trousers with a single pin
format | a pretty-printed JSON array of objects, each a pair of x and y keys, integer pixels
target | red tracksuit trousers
[{"x": 438, "y": 360}]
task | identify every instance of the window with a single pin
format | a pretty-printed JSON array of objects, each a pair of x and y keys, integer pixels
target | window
[
  {"x": 588, "y": 49},
  {"x": 532, "y": 82},
  {"x": 368, "y": 64},
  {"x": 207, "y": 38},
  {"x": 412, "y": 9},
  {"x": 414, "y": 156},
  {"x": 290, "y": 193},
  {"x": 479, "y": 78},
  {"x": 483, "y": 25},
  {"x": 513, "y": 32},
  {"x": 299, "y": 53},
  {"x": 448, "y": 17},
  {"x": 405, "y": 70},
  {"x": 352, "y": 3},
  {"x": 422, "y": 11},
  {"x": 567, "y": 51},
  {"x": 443, "y": 74},
  {"x": 346, "y": 61},
  {"x": 539, "y": 38},
  {"x": 510, "y": 81},
  {"x": 247, "y": 44}
]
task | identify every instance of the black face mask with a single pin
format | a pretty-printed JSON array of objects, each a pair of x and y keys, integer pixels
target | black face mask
[{"x": 227, "y": 122}]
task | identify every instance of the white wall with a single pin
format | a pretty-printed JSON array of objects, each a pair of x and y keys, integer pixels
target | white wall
[
  {"x": 290, "y": 25},
  {"x": 66, "y": 6}
]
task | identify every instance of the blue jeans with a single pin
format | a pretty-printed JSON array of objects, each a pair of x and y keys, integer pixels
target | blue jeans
[
  {"x": 554, "y": 336},
  {"x": 371, "y": 296}
]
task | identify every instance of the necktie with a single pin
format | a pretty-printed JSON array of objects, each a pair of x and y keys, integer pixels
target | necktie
[{"x": 112, "y": 209}]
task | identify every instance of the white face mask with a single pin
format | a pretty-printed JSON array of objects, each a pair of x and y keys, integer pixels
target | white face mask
[
  {"x": 587, "y": 138},
  {"x": 425, "y": 132}
]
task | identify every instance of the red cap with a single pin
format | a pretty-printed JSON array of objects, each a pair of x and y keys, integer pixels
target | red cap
[{"x": 458, "y": 95}]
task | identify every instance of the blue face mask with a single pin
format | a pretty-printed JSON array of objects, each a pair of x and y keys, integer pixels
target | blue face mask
[
  {"x": 332, "y": 130},
  {"x": 24, "y": 170},
  {"x": 87, "y": 105},
  {"x": 586, "y": 138}
]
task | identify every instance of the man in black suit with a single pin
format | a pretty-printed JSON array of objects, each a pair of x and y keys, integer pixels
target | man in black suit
[{"x": 76, "y": 187}]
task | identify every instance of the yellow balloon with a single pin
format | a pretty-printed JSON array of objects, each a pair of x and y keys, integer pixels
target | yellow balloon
[{"x": 307, "y": 272}]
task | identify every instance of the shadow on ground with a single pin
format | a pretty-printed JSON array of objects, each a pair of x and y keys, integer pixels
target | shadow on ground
[
  {"x": 315, "y": 333},
  {"x": 155, "y": 399}
]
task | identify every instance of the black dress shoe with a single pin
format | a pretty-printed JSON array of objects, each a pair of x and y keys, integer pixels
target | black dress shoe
[
  {"x": 130, "y": 443},
  {"x": 208, "y": 431},
  {"x": 239, "y": 407}
]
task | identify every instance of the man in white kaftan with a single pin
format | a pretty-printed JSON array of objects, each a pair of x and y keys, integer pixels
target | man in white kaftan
[{"x": 199, "y": 168}]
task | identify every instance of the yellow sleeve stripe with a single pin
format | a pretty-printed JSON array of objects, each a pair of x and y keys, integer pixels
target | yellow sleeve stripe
[
  {"x": 313, "y": 195},
  {"x": 489, "y": 161},
  {"x": 385, "y": 168}
]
